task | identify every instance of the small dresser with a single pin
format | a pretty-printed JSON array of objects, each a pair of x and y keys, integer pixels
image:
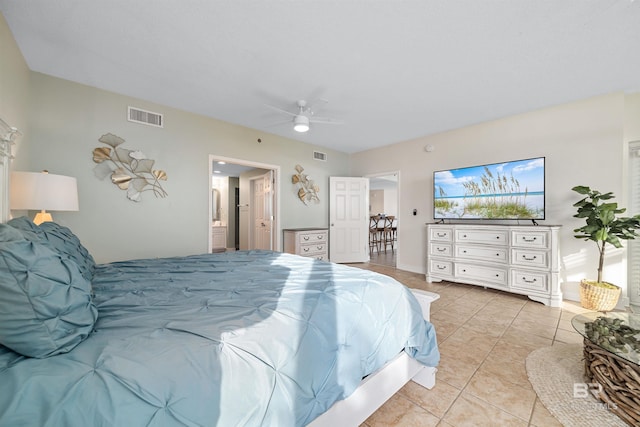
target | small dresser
[{"x": 309, "y": 242}]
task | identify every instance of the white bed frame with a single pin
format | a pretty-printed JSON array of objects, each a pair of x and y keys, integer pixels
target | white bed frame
[{"x": 378, "y": 387}]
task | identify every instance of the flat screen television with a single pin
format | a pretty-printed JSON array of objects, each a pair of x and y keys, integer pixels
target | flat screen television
[{"x": 507, "y": 190}]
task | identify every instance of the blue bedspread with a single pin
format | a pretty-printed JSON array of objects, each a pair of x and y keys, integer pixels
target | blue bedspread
[{"x": 235, "y": 339}]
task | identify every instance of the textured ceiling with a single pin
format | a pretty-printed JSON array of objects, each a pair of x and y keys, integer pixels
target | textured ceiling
[{"x": 391, "y": 70}]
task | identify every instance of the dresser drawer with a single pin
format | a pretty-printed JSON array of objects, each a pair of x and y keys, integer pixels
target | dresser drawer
[
  {"x": 495, "y": 254},
  {"x": 313, "y": 248},
  {"x": 319, "y": 256},
  {"x": 441, "y": 234},
  {"x": 312, "y": 237},
  {"x": 530, "y": 239},
  {"x": 493, "y": 237},
  {"x": 440, "y": 249},
  {"x": 529, "y": 281},
  {"x": 486, "y": 273},
  {"x": 439, "y": 268},
  {"x": 529, "y": 258}
]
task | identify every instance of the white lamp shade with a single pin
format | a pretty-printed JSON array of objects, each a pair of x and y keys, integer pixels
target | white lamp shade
[{"x": 43, "y": 191}]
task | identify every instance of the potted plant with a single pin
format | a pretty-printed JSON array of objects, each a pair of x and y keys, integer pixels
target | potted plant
[{"x": 603, "y": 225}]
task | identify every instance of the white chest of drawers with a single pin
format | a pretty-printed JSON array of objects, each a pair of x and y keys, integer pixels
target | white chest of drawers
[
  {"x": 309, "y": 242},
  {"x": 518, "y": 259}
]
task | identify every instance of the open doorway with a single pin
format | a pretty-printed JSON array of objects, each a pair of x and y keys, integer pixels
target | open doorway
[
  {"x": 234, "y": 205},
  {"x": 383, "y": 208}
]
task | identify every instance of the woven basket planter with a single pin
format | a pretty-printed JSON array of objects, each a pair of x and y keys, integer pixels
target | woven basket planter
[{"x": 598, "y": 298}]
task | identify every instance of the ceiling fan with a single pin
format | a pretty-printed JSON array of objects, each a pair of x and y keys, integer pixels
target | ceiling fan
[{"x": 305, "y": 116}]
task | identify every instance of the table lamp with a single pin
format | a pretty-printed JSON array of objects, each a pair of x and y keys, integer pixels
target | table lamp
[{"x": 43, "y": 191}]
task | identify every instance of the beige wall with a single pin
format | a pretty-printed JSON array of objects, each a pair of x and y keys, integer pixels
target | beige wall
[
  {"x": 583, "y": 143},
  {"x": 376, "y": 202}
]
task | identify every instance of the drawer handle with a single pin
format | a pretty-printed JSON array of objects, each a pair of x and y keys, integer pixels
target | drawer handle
[
  {"x": 441, "y": 234},
  {"x": 464, "y": 271},
  {"x": 529, "y": 240},
  {"x": 524, "y": 257},
  {"x": 497, "y": 254},
  {"x": 320, "y": 236},
  {"x": 441, "y": 249},
  {"x": 497, "y": 275},
  {"x": 305, "y": 237},
  {"x": 524, "y": 279},
  {"x": 319, "y": 247},
  {"x": 464, "y": 251},
  {"x": 441, "y": 267},
  {"x": 305, "y": 249},
  {"x": 498, "y": 237}
]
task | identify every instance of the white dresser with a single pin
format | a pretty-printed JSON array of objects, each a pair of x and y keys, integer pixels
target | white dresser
[
  {"x": 309, "y": 242},
  {"x": 514, "y": 258}
]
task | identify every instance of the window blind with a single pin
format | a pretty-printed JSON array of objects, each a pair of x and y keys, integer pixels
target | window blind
[{"x": 633, "y": 261}]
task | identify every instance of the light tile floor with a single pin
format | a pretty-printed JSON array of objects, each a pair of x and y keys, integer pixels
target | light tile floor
[{"x": 484, "y": 337}]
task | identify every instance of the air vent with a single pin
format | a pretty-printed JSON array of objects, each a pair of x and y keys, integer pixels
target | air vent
[
  {"x": 317, "y": 155},
  {"x": 144, "y": 117}
]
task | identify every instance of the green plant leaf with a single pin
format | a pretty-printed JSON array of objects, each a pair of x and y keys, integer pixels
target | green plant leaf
[
  {"x": 602, "y": 223},
  {"x": 581, "y": 189}
]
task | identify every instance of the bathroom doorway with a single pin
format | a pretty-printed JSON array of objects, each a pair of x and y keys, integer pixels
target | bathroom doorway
[{"x": 233, "y": 216}]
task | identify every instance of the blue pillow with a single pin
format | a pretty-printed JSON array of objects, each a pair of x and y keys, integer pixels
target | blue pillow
[
  {"x": 28, "y": 228},
  {"x": 45, "y": 302},
  {"x": 68, "y": 244},
  {"x": 60, "y": 239}
]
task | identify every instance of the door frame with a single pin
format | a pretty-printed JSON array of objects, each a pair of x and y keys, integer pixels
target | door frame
[
  {"x": 398, "y": 198},
  {"x": 276, "y": 239}
]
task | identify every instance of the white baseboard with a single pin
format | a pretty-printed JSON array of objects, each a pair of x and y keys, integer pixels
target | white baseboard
[{"x": 411, "y": 268}]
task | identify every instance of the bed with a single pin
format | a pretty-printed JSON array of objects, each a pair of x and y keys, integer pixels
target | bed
[{"x": 247, "y": 338}]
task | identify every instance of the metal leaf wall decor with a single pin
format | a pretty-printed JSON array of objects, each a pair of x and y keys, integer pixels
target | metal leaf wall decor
[
  {"x": 130, "y": 170},
  {"x": 307, "y": 190}
]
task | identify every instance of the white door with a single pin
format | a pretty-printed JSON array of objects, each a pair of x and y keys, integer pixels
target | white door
[
  {"x": 348, "y": 219},
  {"x": 262, "y": 211}
]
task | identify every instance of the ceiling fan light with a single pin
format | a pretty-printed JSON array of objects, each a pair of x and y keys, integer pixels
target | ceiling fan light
[{"x": 301, "y": 123}]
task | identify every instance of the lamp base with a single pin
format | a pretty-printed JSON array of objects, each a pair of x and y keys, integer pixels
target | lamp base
[{"x": 42, "y": 216}]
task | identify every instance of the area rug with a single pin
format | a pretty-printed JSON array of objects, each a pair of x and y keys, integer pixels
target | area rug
[{"x": 553, "y": 372}]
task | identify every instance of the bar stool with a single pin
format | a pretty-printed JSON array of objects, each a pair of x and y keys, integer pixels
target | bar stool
[
  {"x": 374, "y": 233},
  {"x": 389, "y": 232}
]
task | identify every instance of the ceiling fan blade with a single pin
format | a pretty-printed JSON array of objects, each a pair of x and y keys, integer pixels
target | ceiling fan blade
[
  {"x": 325, "y": 120},
  {"x": 281, "y": 123},
  {"x": 281, "y": 110},
  {"x": 316, "y": 105}
]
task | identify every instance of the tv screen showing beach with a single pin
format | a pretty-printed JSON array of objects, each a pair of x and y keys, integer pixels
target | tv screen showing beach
[{"x": 508, "y": 190}]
